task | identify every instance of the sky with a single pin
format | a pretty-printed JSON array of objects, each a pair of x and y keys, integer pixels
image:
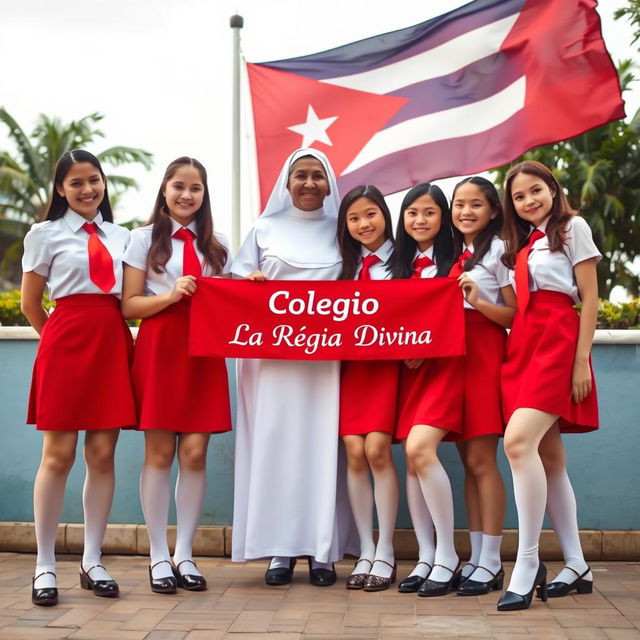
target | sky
[{"x": 160, "y": 72}]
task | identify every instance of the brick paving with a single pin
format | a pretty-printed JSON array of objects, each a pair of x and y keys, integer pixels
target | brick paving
[{"x": 238, "y": 605}]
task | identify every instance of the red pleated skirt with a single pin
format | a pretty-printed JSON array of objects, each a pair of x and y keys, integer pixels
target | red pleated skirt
[
  {"x": 175, "y": 391},
  {"x": 433, "y": 395},
  {"x": 485, "y": 343},
  {"x": 368, "y": 396},
  {"x": 539, "y": 364},
  {"x": 81, "y": 378}
]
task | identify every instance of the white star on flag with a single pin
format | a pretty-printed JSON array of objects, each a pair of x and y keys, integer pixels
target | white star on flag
[{"x": 314, "y": 128}]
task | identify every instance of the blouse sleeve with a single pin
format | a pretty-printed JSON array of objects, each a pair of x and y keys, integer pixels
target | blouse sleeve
[
  {"x": 225, "y": 243},
  {"x": 137, "y": 250},
  {"x": 580, "y": 245},
  {"x": 248, "y": 257},
  {"x": 37, "y": 255}
]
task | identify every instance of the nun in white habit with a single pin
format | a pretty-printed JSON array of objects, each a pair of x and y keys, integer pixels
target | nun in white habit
[{"x": 290, "y": 495}]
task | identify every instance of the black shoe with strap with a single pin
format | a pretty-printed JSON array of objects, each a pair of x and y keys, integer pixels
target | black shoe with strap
[
  {"x": 103, "y": 588},
  {"x": 189, "y": 581},
  {"x": 47, "y": 596},
  {"x": 411, "y": 584},
  {"x": 162, "y": 585},
  {"x": 511, "y": 601},
  {"x": 471, "y": 587},
  {"x": 558, "y": 589},
  {"x": 432, "y": 588}
]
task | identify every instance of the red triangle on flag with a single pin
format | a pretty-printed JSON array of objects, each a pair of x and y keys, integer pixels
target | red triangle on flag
[{"x": 282, "y": 100}]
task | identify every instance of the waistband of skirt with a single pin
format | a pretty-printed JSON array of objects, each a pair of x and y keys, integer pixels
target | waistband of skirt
[
  {"x": 474, "y": 317},
  {"x": 88, "y": 300},
  {"x": 550, "y": 298}
]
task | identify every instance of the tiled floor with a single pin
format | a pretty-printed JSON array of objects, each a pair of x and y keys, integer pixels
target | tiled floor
[{"x": 238, "y": 605}]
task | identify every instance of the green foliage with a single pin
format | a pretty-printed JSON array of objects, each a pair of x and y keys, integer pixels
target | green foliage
[
  {"x": 600, "y": 173},
  {"x": 632, "y": 13},
  {"x": 619, "y": 316},
  {"x": 26, "y": 175}
]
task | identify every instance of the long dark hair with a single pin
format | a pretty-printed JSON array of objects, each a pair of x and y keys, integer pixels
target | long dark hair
[
  {"x": 349, "y": 246},
  {"x": 516, "y": 230},
  {"x": 214, "y": 252},
  {"x": 58, "y": 205},
  {"x": 405, "y": 246},
  {"x": 482, "y": 243}
]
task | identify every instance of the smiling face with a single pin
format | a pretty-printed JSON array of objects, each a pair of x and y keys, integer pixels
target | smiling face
[
  {"x": 365, "y": 223},
  {"x": 83, "y": 187},
  {"x": 422, "y": 221},
  {"x": 471, "y": 211},
  {"x": 184, "y": 193},
  {"x": 532, "y": 198},
  {"x": 308, "y": 184}
]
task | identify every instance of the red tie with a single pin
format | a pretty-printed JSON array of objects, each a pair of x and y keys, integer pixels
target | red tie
[
  {"x": 419, "y": 264},
  {"x": 367, "y": 263},
  {"x": 190, "y": 263},
  {"x": 456, "y": 269},
  {"x": 100, "y": 260},
  {"x": 522, "y": 271}
]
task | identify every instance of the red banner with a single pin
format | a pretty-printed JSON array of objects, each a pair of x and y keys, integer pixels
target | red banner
[{"x": 327, "y": 320}]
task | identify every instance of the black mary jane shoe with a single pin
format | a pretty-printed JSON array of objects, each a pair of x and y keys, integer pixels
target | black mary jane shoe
[
  {"x": 162, "y": 585},
  {"x": 189, "y": 581},
  {"x": 431, "y": 588},
  {"x": 321, "y": 577},
  {"x": 580, "y": 585},
  {"x": 511, "y": 601},
  {"x": 471, "y": 587},
  {"x": 411, "y": 584},
  {"x": 280, "y": 575},
  {"x": 102, "y": 588},
  {"x": 46, "y": 597}
]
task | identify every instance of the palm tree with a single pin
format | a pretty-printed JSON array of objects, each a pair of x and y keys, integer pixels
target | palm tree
[
  {"x": 26, "y": 175},
  {"x": 600, "y": 171}
]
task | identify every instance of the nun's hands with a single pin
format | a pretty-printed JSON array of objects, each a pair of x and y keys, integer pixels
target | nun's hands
[
  {"x": 184, "y": 286},
  {"x": 580, "y": 380},
  {"x": 413, "y": 363},
  {"x": 257, "y": 276}
]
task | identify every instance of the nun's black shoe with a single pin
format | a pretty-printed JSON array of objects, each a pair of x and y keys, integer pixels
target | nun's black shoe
[
  {"x": 162, "y": 585},
  {"x": 103, "y": 588},
  {"x": 189, "y": 581},
  {"x": 321, "y": 577},
  {"x": 432, "y": 588},
  {"x": 471, "y": 587},
  {"x": 411, "y": 584},
  {"x": 580, "y": 585},
  {"x": 46, "y": 597},
  {"x": 280, "y": 575},
  {"x": 511, "y": 601}
]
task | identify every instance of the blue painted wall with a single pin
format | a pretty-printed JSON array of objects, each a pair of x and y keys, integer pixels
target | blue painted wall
[{"x": 604, "y": 466}]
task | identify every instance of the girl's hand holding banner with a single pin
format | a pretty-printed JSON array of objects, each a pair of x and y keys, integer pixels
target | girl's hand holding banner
[{"x": 342, "y": 320}]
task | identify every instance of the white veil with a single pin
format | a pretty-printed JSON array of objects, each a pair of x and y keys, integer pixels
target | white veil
[{"x": 280, "y": 197}]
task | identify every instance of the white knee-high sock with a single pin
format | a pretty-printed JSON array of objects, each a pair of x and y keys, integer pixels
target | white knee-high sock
[
  {"x": 190, "y": 489},
  {"x": 475, "y": 537},
  {"x": 561, "y": 504},
  {"x": 530, "y": 492},
  {"x": 48, "y": 500},
  {"x": 436, "y": 490},
  {"x": 154, "y": 496},
  {"x": 489, "y": 558},
  {"x": 361, "y": 500},
  {"x": 97, "y": 496},
  {"x": 422, "y": 525},
  {"x": 385, "y": 485}
]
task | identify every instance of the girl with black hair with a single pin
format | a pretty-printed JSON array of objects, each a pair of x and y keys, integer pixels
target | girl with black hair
[
  {"x": 489, "y": 309},
  {"x": 430, "y": 398},
  {"x": 81, "y": 376},
  {"x": 366, "y": 428},
  {"x": 181, "y": 399}
]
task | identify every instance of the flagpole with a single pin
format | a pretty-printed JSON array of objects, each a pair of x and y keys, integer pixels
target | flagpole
[{"x": 236, "y": 23}]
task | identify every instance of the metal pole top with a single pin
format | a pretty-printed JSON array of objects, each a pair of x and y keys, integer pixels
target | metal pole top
[{"x": 236, "y": 22}]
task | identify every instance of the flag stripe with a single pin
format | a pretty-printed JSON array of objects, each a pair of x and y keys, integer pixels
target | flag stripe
[
  {"x": 475, "y": 82},
  {"x": 460, "y": 121},
  {"x": 379, "y": 51}
]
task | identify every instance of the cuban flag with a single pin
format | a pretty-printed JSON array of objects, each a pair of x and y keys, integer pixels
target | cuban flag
[{"x": 464, "y": 92}]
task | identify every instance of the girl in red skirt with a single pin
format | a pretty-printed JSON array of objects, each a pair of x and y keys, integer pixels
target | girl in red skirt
[
  {"x": 366, "y": 244},
  {"x": 547, "y": 381},
  {"x": 430, "y": 398},
  {"x": 81, "y": 374},
  {"x": 490, "y": 304},
  {"x": 181, "y": 399}
]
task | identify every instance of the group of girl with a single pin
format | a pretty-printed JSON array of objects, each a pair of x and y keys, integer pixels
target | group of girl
[{"x": 292, "y": 479}]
